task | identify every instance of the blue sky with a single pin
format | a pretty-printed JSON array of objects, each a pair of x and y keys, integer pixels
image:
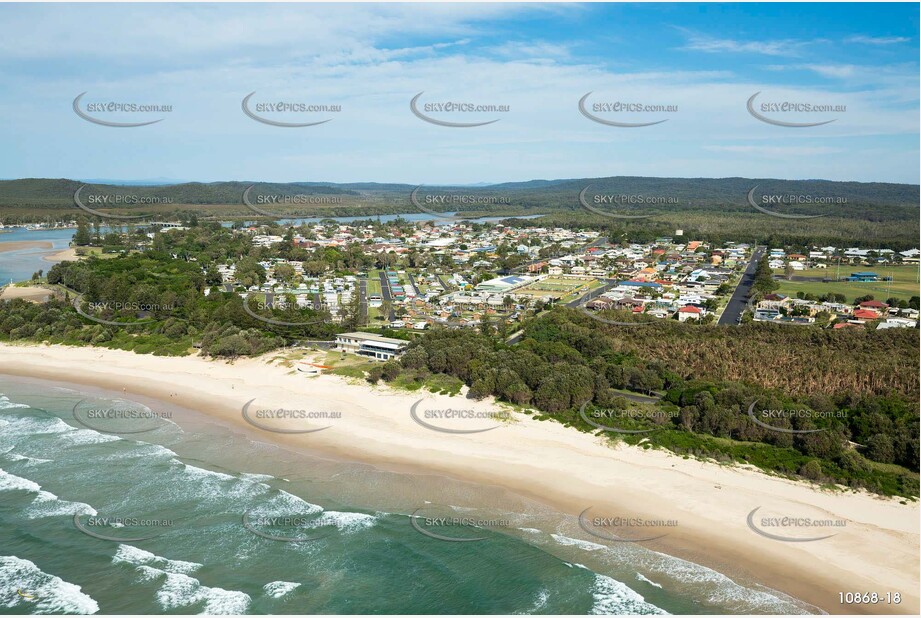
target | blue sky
[{"x": 705, "y": 59}]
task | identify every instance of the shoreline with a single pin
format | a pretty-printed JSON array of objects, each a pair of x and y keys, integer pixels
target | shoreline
[
  {"x": 32, "y": 292},
  {"x": 64, "y": 255},
  {"x": 877, "y": 550},
  {"x": 19, "y": 245}
]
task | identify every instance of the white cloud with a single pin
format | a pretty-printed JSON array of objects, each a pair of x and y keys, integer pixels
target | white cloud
[
  {"x": 877, "y": 40},
  {"x": 708, "y": 44},
  {"x": 372, "y": 60},
  {"x": 775, "y": 151}
]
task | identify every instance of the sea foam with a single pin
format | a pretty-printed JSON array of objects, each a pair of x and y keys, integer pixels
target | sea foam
[
  {"x": 27, "y": 589},
  {"x": 612, "y": 597},
  {"x": 277, "y": 590},
  {"x": 128, "y": 554}
]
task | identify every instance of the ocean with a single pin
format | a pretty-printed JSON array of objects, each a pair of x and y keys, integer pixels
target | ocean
[{"x": 178, "y": 514}]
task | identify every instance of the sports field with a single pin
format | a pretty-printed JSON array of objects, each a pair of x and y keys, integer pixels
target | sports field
[
  {"x": 904, "y": 282},
  {"x": 556, "y": 287}
]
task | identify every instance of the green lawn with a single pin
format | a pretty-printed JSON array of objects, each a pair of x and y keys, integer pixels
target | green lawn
[
  {"x": 374, "y": 284},
  {"x": 904, "y": 282}
]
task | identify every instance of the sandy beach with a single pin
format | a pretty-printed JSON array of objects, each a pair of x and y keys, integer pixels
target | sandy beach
[
  {"x": 36, "y": 294},
  {"x": 876, "y": 549},
  {"x": 63, "y": 255},
  {"x": 16, "y": 245}
]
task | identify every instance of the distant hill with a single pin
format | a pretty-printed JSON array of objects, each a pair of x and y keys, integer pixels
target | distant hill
[
  {"x": 56, "y": 190},
  {"x": 713, "y": 198},
  {"x": 699, "y": 192},
  {"x": 864, "y": 214}
]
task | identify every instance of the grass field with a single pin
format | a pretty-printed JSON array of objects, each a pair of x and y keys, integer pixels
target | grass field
[
  {"x": 904, "y": 282},
  {"x": 555, "y": 287},
  {"x": 374, "y": 283}
]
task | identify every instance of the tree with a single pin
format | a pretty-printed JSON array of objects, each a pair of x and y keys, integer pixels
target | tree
[
  {"x": 285, "y": 272},
  {"x": 811, "y": 470},
  {"x": 390, "y": 370},
  {"x": 249, "y": 272},
  {"x": 232, "y": 347},
  {"x": 375, "y": 374},
  {"x": 82, "y": 235},
  {"x": 315, "y": 268},
  {"x": 880, "y": 448}
]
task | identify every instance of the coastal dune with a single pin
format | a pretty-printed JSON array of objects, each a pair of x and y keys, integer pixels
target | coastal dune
[{"x": 720, "y": 510}]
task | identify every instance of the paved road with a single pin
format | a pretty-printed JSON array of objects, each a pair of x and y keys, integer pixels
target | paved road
[
  {"x": 610, "y": 283},
  {"x": 386, "y": 295},
  {"x": 739, "y": 301},
  {"x": 444, "y": 284},
  {"x": 363, "y": 301},
  {"x": 412, "y": 282}
]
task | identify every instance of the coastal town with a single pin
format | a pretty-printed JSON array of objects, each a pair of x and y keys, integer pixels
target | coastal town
[
  {"x": 459, "y": 274},
  {"x": 451, "y": 275},
  {"x": 506, "y": 309}
]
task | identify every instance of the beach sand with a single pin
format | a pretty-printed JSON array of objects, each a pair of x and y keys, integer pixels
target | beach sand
[
  {"x": 877, "y": 550},
  {"x": 36, "y": 294},
  {"x": 16, "y": 245},
  {"x": 69, "y": 255}
]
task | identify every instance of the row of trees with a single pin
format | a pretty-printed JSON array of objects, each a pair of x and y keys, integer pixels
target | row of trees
[{"x": 565, "y": 361}]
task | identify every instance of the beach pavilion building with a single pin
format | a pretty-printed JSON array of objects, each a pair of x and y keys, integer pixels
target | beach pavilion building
[{"x": 371, "y": 345}]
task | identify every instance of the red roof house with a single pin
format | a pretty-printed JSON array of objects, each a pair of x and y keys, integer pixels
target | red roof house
[{"x": 866, "y": 314}]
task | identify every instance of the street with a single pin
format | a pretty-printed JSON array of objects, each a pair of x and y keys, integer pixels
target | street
[{"x": 737, "y": 304}]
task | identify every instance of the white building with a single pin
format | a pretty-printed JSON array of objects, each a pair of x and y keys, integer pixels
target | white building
[
  {"x": 897, "y": 323},
  {"x": 371, "y": 345}
]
